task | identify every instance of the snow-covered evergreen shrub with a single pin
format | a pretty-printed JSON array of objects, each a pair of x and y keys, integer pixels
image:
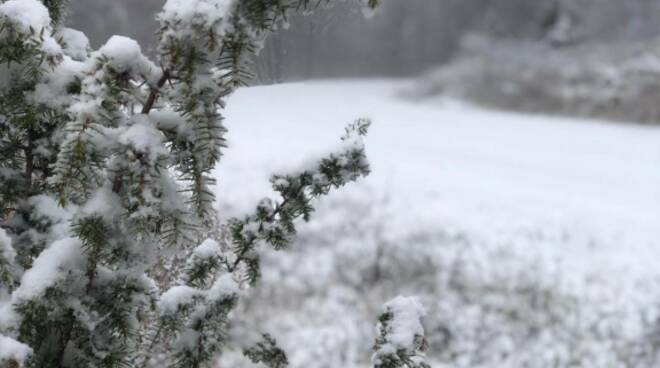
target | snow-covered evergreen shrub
[{"x": 105, "y": 188}]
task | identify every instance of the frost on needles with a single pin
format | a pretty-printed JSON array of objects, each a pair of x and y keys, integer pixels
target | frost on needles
[{"x": 105, "y": 188}]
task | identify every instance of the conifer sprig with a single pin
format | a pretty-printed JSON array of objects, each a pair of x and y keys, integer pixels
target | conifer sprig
[
  {"x": 105, "y": 182},
  {"x": 274, "y": 223},
  {"x": 400, "y": 342}
]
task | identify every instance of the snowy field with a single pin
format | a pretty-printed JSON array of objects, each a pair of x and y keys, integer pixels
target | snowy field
[{"x": 570, "y": 206}]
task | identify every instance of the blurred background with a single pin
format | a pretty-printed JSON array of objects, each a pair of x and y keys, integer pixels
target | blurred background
[
  {"x": 553, "y": 56},
  {"x": 403, "y": 38},
  {"x": 515, "y": 185}
]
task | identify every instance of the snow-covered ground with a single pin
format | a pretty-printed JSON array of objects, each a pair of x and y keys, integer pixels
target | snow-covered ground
[
  {"x": 448, "y": 165},
  {"x": 583, "y": 196}
]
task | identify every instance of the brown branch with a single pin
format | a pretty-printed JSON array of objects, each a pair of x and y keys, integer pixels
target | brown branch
[
  {"x": 151, "y": 100},
  {"x": 155, "y": 91}
]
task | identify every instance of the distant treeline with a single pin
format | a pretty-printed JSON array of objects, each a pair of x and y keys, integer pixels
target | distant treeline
[{"x": 404, "y": 37}]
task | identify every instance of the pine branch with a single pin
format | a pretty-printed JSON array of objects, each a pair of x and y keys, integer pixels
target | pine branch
[
  {"x": 275, "y": 225},
  {"x": 268, "y": 353},
  {"x": 240, "y": 257},
  {"x": 113, "y": 172},
  {"x": 153, "y": 95}
]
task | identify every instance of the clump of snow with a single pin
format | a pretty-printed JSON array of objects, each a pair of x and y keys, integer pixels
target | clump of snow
[
  {"x": 47, "y": 207},
  {"x": 176, "y": 297},
  {"x": 143, "y": 137},
  {"x": 87, "y": 106},
  {"x": 170, "y": 120},
  {"x": 51, "y": 47},
  {"x": 200, "y": 12},
  {"x": 30, "y": 19},
  {"x": 406, "y": 323},
  {"x": 27, "y": 14},
  {"x": 125, "y": 54},
  {"x": 76, "y": 44},
  {"x": 122, "y": 51},
  {"x": 224, "y": 287},
  {"x": 12, "y": 350},
  {"x": 181, "y": 296},
  {"x": 103, "y": 202},
  {"x": 51, "y": 266},
  {"x": 209, "y": 248},
  {"x": 52, "y": 89},
  {"x": 195, "y": 20}
]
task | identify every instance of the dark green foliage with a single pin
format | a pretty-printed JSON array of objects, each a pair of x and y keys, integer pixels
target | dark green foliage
[
  {"x": 268, "y": 353},
  {"x": 27, "y": 136},
  {"x": 200, "y": 271},
  {"x": 93, "y": 233},
  {"x": 56, "y": 9},
  {"x": 209, "y": 328}
]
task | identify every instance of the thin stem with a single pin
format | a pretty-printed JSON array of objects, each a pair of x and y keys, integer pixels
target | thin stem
[{"x": 153, "y": 95}]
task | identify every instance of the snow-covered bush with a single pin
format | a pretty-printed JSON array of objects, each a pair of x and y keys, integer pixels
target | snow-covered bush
[
  {"x": 490, "y": 300},
  {"x": 105, "y": 188},
  {"x": 618, "y": 81},
  {"x": 401, "y": 342}
]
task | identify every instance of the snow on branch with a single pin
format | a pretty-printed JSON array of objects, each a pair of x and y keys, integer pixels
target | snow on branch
[
  {"x": 27, "y": 15},
  {"x": 400, "y": 342},
  {"x": 273, "y": 223},
  {"x": 194, "y": 315},
  {"x": 12, "y": 352}
]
